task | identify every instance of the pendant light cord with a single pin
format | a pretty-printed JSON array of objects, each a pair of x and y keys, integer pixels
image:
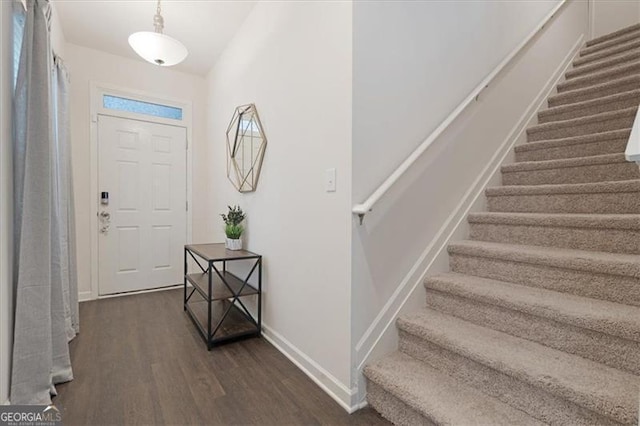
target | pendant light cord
[{"x": 158, "y": 20}]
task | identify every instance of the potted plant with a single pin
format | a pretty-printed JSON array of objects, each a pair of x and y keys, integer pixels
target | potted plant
[{"x": 233, "y": 227}]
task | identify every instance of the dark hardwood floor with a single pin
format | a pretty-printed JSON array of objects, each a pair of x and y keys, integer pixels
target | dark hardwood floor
[{"x": 139, "y": 360}]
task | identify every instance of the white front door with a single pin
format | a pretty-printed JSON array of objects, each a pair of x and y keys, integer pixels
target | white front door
[{"x": 142, "y": 216}]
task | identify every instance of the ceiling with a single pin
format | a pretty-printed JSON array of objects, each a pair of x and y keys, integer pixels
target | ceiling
[{"x": 205, "y": 27}]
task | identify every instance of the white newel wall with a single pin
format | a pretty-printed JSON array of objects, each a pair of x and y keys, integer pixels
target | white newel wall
[
  {"x": 435, "y": 53},
  {"x": 293, "y": 60},
  {"x": 87, "y": 66},
  {"x": 6, "y": 198}
]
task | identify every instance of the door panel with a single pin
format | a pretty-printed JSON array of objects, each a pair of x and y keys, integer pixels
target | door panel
[{"x": 142, "y": 230}]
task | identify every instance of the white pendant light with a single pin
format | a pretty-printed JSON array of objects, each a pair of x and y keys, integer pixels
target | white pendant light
[{"x": 157, "y": 48}]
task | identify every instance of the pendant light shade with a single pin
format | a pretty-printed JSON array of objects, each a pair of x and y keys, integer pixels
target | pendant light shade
[{"x": 157, "y": 48}]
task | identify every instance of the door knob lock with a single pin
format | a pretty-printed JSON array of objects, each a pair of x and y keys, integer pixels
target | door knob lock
[{"x": 105, "y": 219}]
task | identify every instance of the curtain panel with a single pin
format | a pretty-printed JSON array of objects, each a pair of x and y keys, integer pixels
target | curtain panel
[
  {"x": 63, "y": 198},
  {"x": 46, "y": 304}
]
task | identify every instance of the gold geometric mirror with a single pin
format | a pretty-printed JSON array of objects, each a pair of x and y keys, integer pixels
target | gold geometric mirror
[{"x": 246, "y": 143}]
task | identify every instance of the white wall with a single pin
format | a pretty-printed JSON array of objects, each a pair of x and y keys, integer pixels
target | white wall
[
  {"x": 611, "y": 15},
  {"x": 414, "y": 62},
  {"x": 58, "y": 41},
  {"x": 293, "y": 60},
  {"x": 6, "y": 197},
  {"x": 86, "y": 65}
]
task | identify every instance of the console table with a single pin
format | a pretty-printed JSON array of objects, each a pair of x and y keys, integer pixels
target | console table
[{"x": 215, "y": 301}]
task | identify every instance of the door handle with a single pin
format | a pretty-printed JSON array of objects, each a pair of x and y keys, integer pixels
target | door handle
[{"x": 105, "y": 219}]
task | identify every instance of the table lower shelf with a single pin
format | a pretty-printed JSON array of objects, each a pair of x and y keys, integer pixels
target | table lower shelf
[{"x": 236, "y": 324}]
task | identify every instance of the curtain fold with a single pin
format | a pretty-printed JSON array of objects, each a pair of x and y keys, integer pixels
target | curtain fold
[
  {"x": 46, "y": 314},
  {"x": 64, "y": 198}
]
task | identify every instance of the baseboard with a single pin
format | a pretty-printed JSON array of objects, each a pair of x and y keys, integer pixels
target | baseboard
[
  {"x": 385, "y": 319},
  {"x": 85, "y": 296},
  {"x": 360, "y": 405},
  {"x": 5, "y": 402},
  {"x": 321, "y": 377}
]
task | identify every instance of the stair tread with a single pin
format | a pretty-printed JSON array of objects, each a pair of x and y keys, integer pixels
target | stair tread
[
  {"x": 566, "y": 188},
  {"x": 607, "y": 44},
  {"x": 630, "y": 94},
  {"x": 565, "y": 162},
  {"x": 620, "y": 44},
  {"x": 607, "y": 62},
  {"x": 439, "y": 397},
  {"x": 630, "y": 79},
  {"x": 573, "y": 122},
  {"x": 598, "y": 76},
  {"x": 574, "y": 140},
  {"x": 594, "y": 314},
  {"x": 597, "y": 387},
  {"x": 588, "y": 261},
  {"x": 613, "y": 35},
  {"x": 606, "y": 53},
  {"x": 573, "y": 220}
]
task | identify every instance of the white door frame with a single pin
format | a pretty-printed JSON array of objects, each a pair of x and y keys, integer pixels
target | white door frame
[{"x": 97, "y": 90}]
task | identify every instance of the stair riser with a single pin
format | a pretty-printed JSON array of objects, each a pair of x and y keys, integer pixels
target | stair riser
[
  {"x": 594, "y": 239},
  {"x": 598, "y": 78},
  {"x": 606, "y": 53},
  {"x": 570, "y": 175},
  {"x": 392, "y": 409},
  {"x": 574, "y": 151},
  {"x": 592, "y": 110},
  {"x": 610, "y": 350},
  {"x": 614, "y": 288},
  {"x": 614, "y": 203},
  {"x": 604, "y": 65},
  {"x": 533, "y": 400},
  {"x": 566, "y": 131},
  {"x": 626, "y": 38},
  {"x": 587, "y": 95}
]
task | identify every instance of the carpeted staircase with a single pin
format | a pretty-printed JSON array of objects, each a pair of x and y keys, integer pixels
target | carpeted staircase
[{"x": 539, "y": 319}]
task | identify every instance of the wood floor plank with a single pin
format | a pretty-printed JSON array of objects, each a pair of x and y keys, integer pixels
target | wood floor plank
[
  {"x": 176, "y": 402},
  {"x": 141, "y": 407},
  {"x": 139, "y": 360}
]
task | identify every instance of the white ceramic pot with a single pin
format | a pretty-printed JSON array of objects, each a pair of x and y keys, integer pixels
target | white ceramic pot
[{"x": 234, "y": 244}]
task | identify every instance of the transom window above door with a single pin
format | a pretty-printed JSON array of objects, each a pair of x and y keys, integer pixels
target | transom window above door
[{"x": 141, "y": 107}]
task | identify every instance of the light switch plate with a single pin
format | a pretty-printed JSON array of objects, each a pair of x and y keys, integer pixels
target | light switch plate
[{"x": 330, "y": 180}]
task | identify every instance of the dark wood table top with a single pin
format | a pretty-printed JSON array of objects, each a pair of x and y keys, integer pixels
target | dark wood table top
[{"x": 217, "y": 252}]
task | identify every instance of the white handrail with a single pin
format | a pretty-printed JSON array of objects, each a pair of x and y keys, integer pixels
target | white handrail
[
  {"x": 633, "y": 147},
  {"x": 362, "y": 209}
]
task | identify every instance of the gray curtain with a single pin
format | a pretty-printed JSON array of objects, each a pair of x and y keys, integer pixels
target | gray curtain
[
  {"x": 46, "y": 315},
  {"x": 63, "y": 199}
]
